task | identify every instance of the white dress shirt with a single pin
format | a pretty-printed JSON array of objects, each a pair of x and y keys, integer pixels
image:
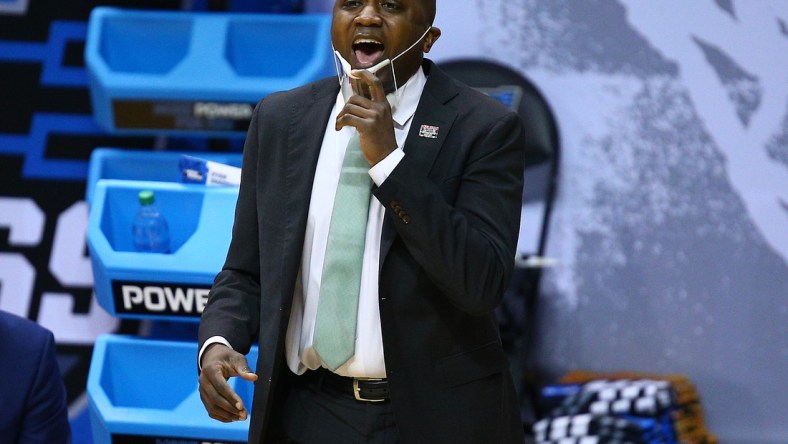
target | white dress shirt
[{"x": 368, "y": 360}]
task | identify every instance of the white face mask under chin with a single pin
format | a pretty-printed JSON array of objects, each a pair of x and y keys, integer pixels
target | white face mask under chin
[{"x": 346, "y": 68}]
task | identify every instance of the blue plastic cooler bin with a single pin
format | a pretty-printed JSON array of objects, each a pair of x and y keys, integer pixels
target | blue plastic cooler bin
[
  {"x": 160, "y": 166},
  {"x": 145, "y": 390},
  {"x": 130, "y": 284},
  {"x": 191, "y": 72}
]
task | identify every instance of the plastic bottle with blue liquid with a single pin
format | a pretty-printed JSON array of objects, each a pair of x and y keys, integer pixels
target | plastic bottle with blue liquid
[{"x": 150, "y": 231}]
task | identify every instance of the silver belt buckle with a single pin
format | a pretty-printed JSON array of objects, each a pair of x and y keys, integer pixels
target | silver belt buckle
[{"x": 357, "y": 390}]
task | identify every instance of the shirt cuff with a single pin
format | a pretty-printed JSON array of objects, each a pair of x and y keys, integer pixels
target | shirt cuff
[
  {"x": 380, "y": 172},
  {"x": 210, "y": 341}
]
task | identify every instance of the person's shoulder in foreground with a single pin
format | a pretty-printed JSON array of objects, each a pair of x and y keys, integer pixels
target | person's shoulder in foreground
[{"x": 33, "y": 407}]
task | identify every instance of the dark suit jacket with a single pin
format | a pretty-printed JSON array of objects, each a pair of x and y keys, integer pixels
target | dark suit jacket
[
  {"x": 446, "y": 257},
  {"x": 33, "y": 407}
]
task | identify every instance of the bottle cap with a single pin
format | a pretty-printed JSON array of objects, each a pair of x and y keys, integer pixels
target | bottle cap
[{"x": 146, "y": 197}]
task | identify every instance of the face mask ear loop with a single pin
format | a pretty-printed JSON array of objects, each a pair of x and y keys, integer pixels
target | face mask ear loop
[
  {"x": 413, "y": 45},
  {"x": 393, "y": 72},
  {"x": 394, "y": 75}
]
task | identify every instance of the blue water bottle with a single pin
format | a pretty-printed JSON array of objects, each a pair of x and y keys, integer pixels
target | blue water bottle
[{"x": 150, "y": 231}]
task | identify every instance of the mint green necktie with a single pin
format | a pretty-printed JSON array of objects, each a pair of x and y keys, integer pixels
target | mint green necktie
[{"x": 337, "y": 310}]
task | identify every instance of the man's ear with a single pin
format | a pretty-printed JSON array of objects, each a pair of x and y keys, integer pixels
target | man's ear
[{"x": 431, "y": 38}]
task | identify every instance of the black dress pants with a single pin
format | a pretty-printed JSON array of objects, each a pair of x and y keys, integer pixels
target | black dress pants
[{"x": 317, "y": 412}]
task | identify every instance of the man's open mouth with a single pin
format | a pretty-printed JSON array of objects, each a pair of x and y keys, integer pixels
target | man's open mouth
[{"x": 367, "y": 51}]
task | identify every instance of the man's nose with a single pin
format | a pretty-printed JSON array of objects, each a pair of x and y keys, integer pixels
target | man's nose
[{"x": 368, "y": 16}]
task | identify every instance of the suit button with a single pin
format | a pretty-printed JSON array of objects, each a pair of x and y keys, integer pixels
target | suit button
[
  {"x": 406, "y": 219},
  {"x": 396, "y": 205}
]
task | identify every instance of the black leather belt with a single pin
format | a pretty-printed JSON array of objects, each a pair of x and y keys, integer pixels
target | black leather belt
[{"x": 362, "y": 389}]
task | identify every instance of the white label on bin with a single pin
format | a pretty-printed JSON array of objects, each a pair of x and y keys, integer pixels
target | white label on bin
[
  {"x": 159, "y": 299},
  {"x": 181, "y": 115}
]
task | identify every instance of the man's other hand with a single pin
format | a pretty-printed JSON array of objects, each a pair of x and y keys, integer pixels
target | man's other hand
[{"x": 219, "y": 363}]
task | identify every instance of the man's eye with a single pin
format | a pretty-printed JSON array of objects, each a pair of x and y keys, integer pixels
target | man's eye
[
  {"x": 351, "y": 3},
  {"x": 392, "y": 6}
]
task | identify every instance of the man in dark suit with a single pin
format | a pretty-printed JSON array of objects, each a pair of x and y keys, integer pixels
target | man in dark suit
[
  {"x": 426, "y": 362},
  {"x": 33, "y": 407}
]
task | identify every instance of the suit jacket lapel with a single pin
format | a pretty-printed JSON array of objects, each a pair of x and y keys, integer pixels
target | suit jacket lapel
[
  {"x": 434, "y": 112},
  {"x": 305, "y": 137}
]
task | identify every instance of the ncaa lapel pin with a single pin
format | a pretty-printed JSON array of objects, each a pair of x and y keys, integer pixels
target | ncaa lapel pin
[{"x": 429, "y": 131}]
